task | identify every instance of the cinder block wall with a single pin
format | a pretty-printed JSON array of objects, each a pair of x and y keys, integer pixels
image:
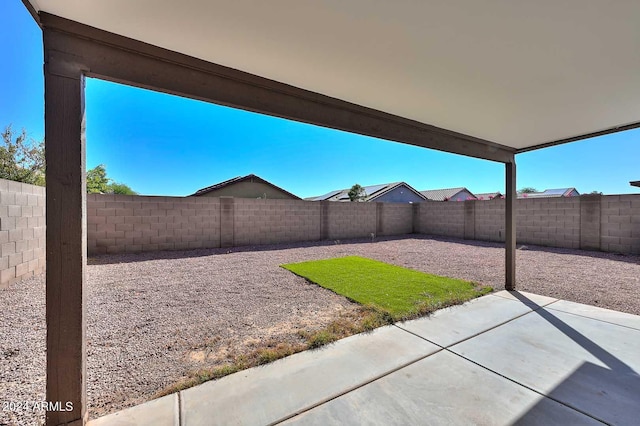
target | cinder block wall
[
  {"x": 442, "y": 218},
  {"x": 591, "y": 222},
  {"x": 269, "y": 221},
  {"x": 397, "y": 219},
  {"x": 124, "y": 223},
  {"x": 620, "y": 223},
  {"x": 542, "y": 221},
  {"x": 118, "y": 223},
  {"x": 22, "y": 231},
  {"x": 121, "y": 223},
  {"x": 549, "y": 222},
  {"x": 489, "y": 219},
  {"x": 351, "y": 220}
]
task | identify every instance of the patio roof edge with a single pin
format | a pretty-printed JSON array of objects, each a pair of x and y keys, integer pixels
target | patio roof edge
[
  {"x": 120, "y": 59},
  {"x": 32, "y": 11},
  {"x": 615, "y": 129}
]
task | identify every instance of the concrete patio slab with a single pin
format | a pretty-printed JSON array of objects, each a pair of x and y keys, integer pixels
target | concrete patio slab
[
  {"x": 443, "y": 389},
  {"x": 264, "y": 395},
  {"x": 602, "y": 314},
  {"x": 161, "y": 412},
  {"x": 519, "y": 364},
  {"x": 585, "y": 363},
  {"x": 452, "y": 325}
]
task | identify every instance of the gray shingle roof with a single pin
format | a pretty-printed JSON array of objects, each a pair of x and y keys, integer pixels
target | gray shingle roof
[
  {"x": 372, "y": 192},
  {"x": 443, "y": 194}
]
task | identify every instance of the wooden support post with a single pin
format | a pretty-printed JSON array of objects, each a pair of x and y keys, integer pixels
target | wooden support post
[
  {"x": 66, "y": 239},
  {"x": 510, "y": 226}
]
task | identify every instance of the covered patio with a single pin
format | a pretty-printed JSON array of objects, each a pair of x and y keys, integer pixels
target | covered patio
[
  {"x": 506, "y": 358},
  {"x": 482, "y": 80}
]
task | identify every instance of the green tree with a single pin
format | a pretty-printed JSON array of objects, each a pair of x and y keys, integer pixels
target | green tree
[
  {"x": 21, "y": 159},
  {"x": 120, "y": 188},
  {"x": 99, "y": 183},
  {"x": 527, "y": 190},
  {"x": 357, "y": 193},
  {"x": 595, "y": 193},
  {"x": 97, "y": 180}
]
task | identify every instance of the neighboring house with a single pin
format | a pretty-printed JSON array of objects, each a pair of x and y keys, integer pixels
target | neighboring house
[
  {"x": 551, "y": 193},
  {"x": 449, "y": 194},
  {"x": 397, "y": 192},
  {"x": 635, "y": 183},
  {"x": 250, "y": 186},
  {"x": 489, "y": 196}
]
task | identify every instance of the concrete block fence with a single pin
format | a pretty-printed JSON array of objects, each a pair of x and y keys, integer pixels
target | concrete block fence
[
  {"x": 121, "y": 223},
  {"x": 608, "y": 223},
  {"x": 442, "y": 218},
  {"x": 22, "y": 231}
]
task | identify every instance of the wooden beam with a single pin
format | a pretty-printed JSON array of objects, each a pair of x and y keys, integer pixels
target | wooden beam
[
  {"x": 120, "y": 59},
  {"x": 66, "y": 237},
  {"x": 576, "y": 138},
  {"x": 510, "y": 226},
  {"x": 32, "y": 11}
]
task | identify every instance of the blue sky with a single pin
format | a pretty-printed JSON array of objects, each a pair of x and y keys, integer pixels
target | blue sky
[{"x": 165, "y": 145}]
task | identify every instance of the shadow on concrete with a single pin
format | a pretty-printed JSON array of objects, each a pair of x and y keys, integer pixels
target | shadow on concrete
[
  {"x": 583, "y": 390},
  {"x": 609, "y": 395}
]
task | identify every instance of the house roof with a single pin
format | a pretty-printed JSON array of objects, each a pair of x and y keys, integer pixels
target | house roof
[
  {"x": 372, "y": 192},
  {"x": 488, "y": 195},
  {"x": 251, "y": 177},
  {"x": 482, "y": 69},
  {"x": 635, "y": 183},
  {"x": 549, "y": 193},
  {"x": 443, "y": 194}
]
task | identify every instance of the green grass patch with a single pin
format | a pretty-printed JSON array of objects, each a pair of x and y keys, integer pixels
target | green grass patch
[{"x": 402, "y": 293}]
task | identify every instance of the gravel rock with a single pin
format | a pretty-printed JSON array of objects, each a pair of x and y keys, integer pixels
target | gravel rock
[{"x": 153, "y": 317}]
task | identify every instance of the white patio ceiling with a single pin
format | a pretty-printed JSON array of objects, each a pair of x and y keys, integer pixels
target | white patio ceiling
[{"x": 518, "y": 73}]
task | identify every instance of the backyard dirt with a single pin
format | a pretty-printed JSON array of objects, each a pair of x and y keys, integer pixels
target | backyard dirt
[{"x": 152, "y": 318}]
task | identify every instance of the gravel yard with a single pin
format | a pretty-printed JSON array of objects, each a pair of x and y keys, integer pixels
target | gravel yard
[{"x": 153, "y": 317}]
